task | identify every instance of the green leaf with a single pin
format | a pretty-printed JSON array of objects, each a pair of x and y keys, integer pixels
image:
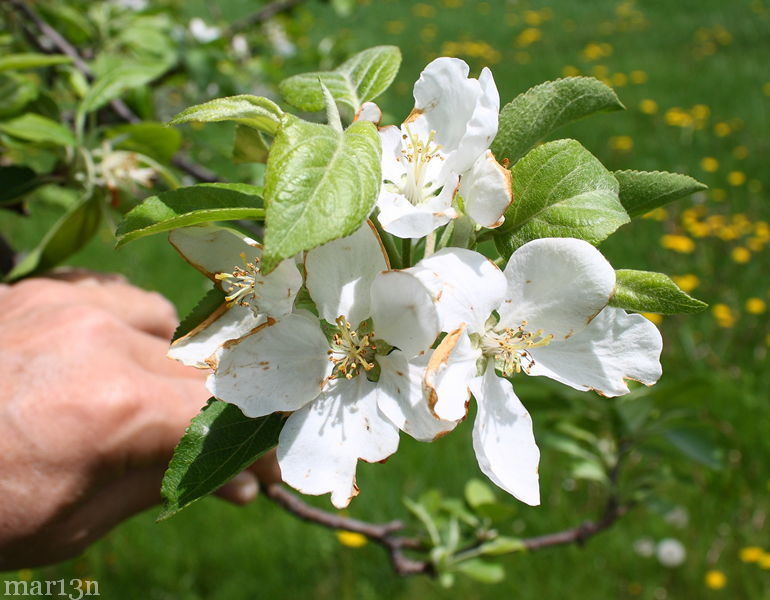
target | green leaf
[
  {"x": 37, "y": 128},
  {"x": 531, "y": 116},
  {"x": 252, "y": 111},
  {"x": 201, "y": 203},
  {"x": 320, "y": 185},
  {"x": 219, "y": 443},
  {"x": 502, "y": 545},
  {"x": 646, "y": 291},
  {"x": 481, "y": 570},
  {"x": 17, "y": 181},
  {"x": 478, "y": 492},
  {"x": 155, "y": 140},
  {"x": 212, "y": 301},
  {"x": 15, "y": 93},
  {"x": 361, "y": 78},
  {"x": 560, "y": 189},
  {"x": 31, "y": 60},
  {"x": 694, "y": 442},
  {"x": 641, "y": 191},
  {"x": 250, "y": 145},
  {"x": 66, "y": 237}
]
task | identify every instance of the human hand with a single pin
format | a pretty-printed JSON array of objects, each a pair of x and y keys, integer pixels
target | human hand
[{"x": 90, "y": 412}]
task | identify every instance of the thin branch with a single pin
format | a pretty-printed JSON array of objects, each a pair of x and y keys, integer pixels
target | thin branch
[{"x": 264, "y": 14}]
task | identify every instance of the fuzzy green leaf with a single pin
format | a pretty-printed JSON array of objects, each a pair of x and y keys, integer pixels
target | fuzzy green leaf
[
  {"x": 531, "y": 116},
  {"x": 641, "y": 191},
  {"x": 37, "y": 128},
  {"x": 252, "y": 111},
  {"x": 16, "y": 92},
  {"x": 560, "y": 189},
  {"x": 646, "y": 291},
  {"x": 359, "y": 79},
  {"x": 320, "y": 185},
  {"x": 219, "y": 443},
  {"x": 116, "y": 81},
  {"x": 201, "y": 203}
]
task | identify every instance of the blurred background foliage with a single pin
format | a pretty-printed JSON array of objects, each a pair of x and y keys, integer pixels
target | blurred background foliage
[{"x": 695, "y": 81}]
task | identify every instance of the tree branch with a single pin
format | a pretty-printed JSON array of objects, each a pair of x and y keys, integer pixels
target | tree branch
[{"x": 265, "y": 13}]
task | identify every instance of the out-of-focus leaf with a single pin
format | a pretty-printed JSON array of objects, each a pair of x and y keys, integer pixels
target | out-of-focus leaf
[
  {"x": 152, "y": 139},
  {"x": 37, "y": 128},
  {"x": 478, "y": 492},
  {"x": 16, "y": 182},
  {"x": 31, "y": 60},
  {"x": 15, "y": 93},
  {"x": 481, "y": 570},
  {"x": 694, "y": 441},
  {"x": 250, "y": 146},
  {"x": 502, "y": 545}
]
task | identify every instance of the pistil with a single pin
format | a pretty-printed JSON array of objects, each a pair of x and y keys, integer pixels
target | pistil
[
  {"x": 510, "y": 347},
  {"x": 351, "y": 351}
]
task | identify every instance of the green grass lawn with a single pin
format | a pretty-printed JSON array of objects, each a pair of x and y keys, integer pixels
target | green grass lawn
[{"x": 694, "y": 77}]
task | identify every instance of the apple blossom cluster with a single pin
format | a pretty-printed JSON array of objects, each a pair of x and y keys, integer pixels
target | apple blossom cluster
[{"x": 353, "y": 351}]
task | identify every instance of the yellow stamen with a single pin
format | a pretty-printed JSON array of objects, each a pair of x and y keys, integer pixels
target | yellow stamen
[
  {"x": 509, "y": 347},
  {"x": 350, "y": 353},
  {"x": 240, "y": 285}
]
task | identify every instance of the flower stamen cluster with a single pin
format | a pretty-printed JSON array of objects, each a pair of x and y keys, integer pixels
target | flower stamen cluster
[
  {"x": 418, "y": 155},
  {"x": 351, "y": 352},
  {"x": 240, "y": 285},
  {"x": 510, "y": 346}
]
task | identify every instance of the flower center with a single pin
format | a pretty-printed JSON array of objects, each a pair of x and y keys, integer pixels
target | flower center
[
  {"x": 240, "y": 285},
  {"x": 351, "y": 351},
  {"x": 510, "y": 347},
  {"x": 418, "y": 154}
]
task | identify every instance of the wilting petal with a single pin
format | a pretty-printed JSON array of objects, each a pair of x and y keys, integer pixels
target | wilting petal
[
  {"x": 403, "y": 219},
  {"x": 503, "y": 439},
  {"x": 339, "y": 274},
  {"x": 369, "y": 111},
  {"x": 403, "y": 312},
  {"x": 213, "y": 250},
  {"x": 616, "y": 346},
  {"x": 227, "y": 323},
  {"x": 401, "y": 399},
  {"x": 486, "y": 191},
  {"x": 280, "y": 367},
  {"x": 557, "y": 285},
  {"x": 451, "y": 366},
  {"x": 320, "y": 444},
  {"x": 466, "y": 285}
]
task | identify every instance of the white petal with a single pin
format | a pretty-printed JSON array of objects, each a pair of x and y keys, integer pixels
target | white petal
[
  {"x": 228, "y": 323},
  {"x": 392, "y": 168},
  {"x": 462, "y": 111},
  {"x": 467, "y": 287},
  {"x": 486, "y": 191},
  {"x": 213, "y": 250},
  {"x": 339, "y": 274},
  {"x": 403, "y": 219},
  {"x": 557, "y": 285},
  {"x": 401, "y": 399},
  {"x": 614, "y": 347},
  {"x": 451, "y": 366},
  {"x": 369, "y": 111},
  {"x": 503, "y": 438},
  {"x": 403, "y": 312},
  {"x": 320, "y": 444},
  {"x": 280, "y": 367}
]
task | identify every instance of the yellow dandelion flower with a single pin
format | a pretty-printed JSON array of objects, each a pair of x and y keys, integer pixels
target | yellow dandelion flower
[
  {"x": 656, "y": 214},
  {"x": 764, "y": 561},
  {"x": 428, "y": 33},
  {"x": 570, "y": 71},
  {"x": 700, "y": 111},
  {"x": 653, "y": 317},
  {"x": 648, "y": 107},
  {"x": 724, "y": 315},
  {"x": 740, "y": 255},
  {"x": 728, "y": 233},
  {"x": 394, "y": 27},
  {"x": 740, "y": 152},
  {"x": 715, "y": 580},
  {"x": 698, "y": 230},
  {"x": 718, "y": 194},
  {"x": 677, "y": 243},
  {"x": 762, "y": 230},
  {"x": 533, "y": 17},
  {"x": 755, "y": 306},
  {"x": 621, "y": 143},
  {"x": 600, "y": 71},
  {"x": 676, "y": 117},
  {"x": 351, "y": 539},
  {"x": 593, "y": 51},
  {"x": 766, "y": 89},
  {"x": 722, "y": 36},
  {"x": 751, "y": 554},
  {"x": 528, "y": 37},
  {"x": 722, "y": 129},
  {"x": 422, "y": 10},
  {"x": 755, "y": 244},
  {"x": 709, "y": 164},
  {"x": 619, "y": 79},
  {"x": 736, "y": 178},
  {"x": 686, "y": 282},
  {"x": 638, "y": 77}
]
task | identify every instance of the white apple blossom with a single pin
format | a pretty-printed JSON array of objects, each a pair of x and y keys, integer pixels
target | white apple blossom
[
  {"x": 231, "y": 260},
  {"x": 440, "y": 149},
  {"x": 315, "y": 367},
  {"x": 545, "y": 314}
]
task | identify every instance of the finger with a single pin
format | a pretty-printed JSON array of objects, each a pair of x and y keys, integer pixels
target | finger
[
  {"x": 84, "y": 276},
  {"x": 241, "y": 489}
]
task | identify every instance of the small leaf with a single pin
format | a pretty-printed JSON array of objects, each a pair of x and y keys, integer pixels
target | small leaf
[
  {"x": 37, "y": 128},
  {"x": 320, "y": 185},
  {"x": 252, "y": 111},
  {"x": 481, "y": 570},
  {"x": 15, "y": 93},
  {"x": 502, "y": 545},
  {"x": 66, "y": 237},
  {"x": 694, "y": 442},
  {"x": 250, "y": 145},
  {"x": 31, "y": 60},
  {"x": 219, "y": 443},
  {"x": 361, "y": 78},
  {"x": 201, "y": 203},
  {"x": 477, "y": 493},
  {"x": 206, "y": 306},
  {"x": 641, "y": 191},
  {"x": 560, "y": 189},
  {"x": 646, "y": 291},
  {"x": 16, "y": 182},
  {"x": 531, "y": 116},
  {"x": 634, "y": 409},
  {"x": 155, "y": 140}
]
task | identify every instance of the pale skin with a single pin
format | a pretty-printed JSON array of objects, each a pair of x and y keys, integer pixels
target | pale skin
[{"x": 90, "y": 412}]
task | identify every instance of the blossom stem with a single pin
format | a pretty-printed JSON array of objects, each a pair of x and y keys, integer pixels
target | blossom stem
[
  {"x": 406, "y": 253},
  {"x": 394, "y": 256},
  {"x": 430, "y": 244}
]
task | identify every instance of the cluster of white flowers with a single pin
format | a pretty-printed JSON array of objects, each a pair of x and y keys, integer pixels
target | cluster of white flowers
[{"x": 369, "y": 350}]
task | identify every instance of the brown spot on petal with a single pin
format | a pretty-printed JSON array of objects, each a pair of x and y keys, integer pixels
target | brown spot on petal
[
  {"x": 439, "y": 358},
  {"x": 416, "y": 112},
  {"x": 203, "y": 324},
  {"x": 230, "y": 343}
]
